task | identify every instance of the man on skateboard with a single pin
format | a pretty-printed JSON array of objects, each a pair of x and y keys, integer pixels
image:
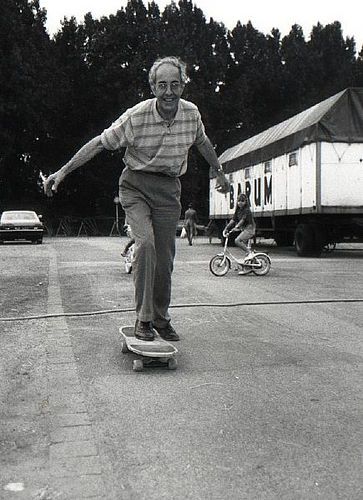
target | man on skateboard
[{"x": 157, "y": 134}]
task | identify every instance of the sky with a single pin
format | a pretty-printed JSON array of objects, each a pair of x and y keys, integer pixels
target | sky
[{"x": 264, "y": 14}]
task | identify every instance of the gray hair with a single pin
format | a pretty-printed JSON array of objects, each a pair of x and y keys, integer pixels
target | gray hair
[{"x": 175, "y": 61}]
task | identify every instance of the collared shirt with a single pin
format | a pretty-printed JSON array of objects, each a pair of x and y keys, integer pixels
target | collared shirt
[{"x": 153, "y": 144}]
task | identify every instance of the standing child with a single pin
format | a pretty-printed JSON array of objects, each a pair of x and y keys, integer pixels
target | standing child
[{"x": 131, "y": 241}]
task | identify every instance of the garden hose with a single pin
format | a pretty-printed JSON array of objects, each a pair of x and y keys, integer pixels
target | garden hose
[{"x": 179, "y": 306}]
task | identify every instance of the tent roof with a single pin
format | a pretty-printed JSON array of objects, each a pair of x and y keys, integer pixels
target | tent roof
[{"x": 336, "y": 119}]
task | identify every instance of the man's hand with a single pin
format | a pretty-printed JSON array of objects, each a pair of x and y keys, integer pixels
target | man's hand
[
  {"x": 222, "y": 185},
  {"x": 51, "y": 183}
]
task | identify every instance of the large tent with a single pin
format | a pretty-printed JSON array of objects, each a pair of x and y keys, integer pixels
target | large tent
[{"x": 336, "y": 119}]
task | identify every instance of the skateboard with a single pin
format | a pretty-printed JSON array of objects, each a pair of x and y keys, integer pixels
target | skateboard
[{"x": 154, "y": 353}]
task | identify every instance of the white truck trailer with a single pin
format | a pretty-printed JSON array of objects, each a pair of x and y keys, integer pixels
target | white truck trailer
[{"x": 303, "y": 177}]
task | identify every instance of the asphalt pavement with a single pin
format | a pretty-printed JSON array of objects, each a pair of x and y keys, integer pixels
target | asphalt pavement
[{"x": 265, "y": 403}]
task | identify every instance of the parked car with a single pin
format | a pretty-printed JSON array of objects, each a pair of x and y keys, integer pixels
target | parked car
[{"x": 21, "y": 225}]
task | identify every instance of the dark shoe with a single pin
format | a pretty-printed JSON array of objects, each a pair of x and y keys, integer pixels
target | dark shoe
[
  {"x": 167, "y": 332},
  {"x": 144, "y": 330}
]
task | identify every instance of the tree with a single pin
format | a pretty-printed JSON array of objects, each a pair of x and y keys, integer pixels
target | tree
[
  {"x": 295, "y": 60},
  {"x": 106, "y": 65},
  {"x": 330, "y": 62},
  {"x": 358, "y": 70},
  {"x": 57, "y": 94},
  {"x": 28, "y": 97},
  {"x": 253, "y": 93}
]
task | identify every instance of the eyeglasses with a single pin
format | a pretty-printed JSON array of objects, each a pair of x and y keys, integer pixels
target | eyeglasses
[{"x": 174, "y": 86}]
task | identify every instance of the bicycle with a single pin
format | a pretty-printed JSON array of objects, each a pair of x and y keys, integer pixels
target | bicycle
[{"x": 258, "y": 263}]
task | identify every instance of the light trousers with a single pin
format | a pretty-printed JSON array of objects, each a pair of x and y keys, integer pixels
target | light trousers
[{"x": 152, "y": 206}]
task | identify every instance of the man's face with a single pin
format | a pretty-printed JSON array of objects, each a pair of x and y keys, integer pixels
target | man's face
[{"x": 167, "y": 89}]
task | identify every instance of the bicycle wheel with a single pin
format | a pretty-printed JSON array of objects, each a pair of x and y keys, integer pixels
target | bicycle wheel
[
  {"x": 263, "y": 262},
  {"x": 219, "y": 265}
]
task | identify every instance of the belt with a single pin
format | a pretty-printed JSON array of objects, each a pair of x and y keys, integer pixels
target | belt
[{"x": 158, "y": 174}]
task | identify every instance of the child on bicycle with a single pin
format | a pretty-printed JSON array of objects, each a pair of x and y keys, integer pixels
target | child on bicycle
[{"x": 243, "y": 221}]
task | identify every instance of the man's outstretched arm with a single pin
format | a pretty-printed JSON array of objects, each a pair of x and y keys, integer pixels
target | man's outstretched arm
[{"x": 86, "y": 153}]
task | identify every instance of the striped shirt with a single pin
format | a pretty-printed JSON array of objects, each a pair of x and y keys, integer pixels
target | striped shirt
[{"x": 153, "y": 144}]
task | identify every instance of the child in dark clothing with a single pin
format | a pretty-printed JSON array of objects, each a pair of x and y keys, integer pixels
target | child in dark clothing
[{"x": 243, "y": 221}]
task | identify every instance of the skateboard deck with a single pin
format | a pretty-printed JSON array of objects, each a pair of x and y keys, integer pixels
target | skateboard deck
[{"x": 158, "y": 352}]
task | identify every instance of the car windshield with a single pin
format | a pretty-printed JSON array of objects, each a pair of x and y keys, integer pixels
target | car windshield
[{"x": 18, "y": 216}]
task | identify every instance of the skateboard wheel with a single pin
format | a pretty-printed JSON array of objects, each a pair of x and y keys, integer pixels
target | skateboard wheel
[
  {"x": 137, "y": 365},
  {"x": 124, "y": 347},
  {"x": 172, "y": 364}
]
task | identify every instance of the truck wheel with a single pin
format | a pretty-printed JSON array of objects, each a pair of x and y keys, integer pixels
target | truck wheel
[{"x": 304, "y": 240}]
